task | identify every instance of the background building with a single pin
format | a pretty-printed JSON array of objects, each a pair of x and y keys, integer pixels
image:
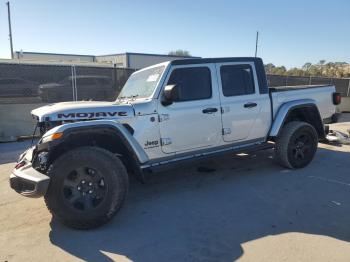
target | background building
[{"x": 126, "y": 60}]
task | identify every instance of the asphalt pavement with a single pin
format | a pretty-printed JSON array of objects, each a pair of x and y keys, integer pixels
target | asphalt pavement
[{"x": 237, "y": 207}]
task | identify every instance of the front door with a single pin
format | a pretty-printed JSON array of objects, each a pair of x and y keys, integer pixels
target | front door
[{"x": 194, "y": 121}]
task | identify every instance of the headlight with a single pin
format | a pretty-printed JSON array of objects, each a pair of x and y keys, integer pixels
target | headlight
[{"x": 51, "y": 137}]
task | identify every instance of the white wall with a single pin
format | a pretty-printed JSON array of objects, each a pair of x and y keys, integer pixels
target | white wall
[
  {"x": 16, "y": 120},
  {"x": 119, "y": 60},
  {"x": 53, "y": 57}
]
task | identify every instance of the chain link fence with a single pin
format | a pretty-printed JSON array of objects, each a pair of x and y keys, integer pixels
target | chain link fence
[
  {"x": 47, "y": 83},
  {"x": 342, "y": 85}
]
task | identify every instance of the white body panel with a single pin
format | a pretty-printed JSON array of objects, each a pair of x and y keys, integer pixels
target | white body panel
[
  {"x": 322, "y": 97},
  {"x": 182, "y": 126}
]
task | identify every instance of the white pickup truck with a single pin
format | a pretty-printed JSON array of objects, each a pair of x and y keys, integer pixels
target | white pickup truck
[{"x": 166, "y": 114}]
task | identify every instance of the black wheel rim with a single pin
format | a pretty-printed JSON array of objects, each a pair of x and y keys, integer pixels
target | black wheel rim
[
  {"x": 302, "y": 148},
  {"x": 84, "y": 189}
]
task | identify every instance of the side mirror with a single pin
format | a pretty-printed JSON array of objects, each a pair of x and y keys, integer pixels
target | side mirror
[{"x": 170, "y": 94}]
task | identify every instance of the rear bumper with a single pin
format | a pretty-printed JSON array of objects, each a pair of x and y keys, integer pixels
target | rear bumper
[{"x": 29, "y": 182}]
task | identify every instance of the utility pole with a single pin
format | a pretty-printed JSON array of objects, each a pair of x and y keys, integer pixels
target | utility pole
[
  {"x": 256, "y": 43},
  {"x": 10, "y": 31}
]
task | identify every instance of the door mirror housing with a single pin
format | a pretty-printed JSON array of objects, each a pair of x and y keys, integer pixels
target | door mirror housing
[{"x": 170, "y": 94}]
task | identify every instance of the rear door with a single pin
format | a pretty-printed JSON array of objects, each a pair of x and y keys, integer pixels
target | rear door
[
  {"x": 239, "y": 95},
  {"x": 193, "y": 122}
]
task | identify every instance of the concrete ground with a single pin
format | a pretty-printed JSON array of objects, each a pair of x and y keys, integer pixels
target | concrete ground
[{"x": 247, "y": 208}]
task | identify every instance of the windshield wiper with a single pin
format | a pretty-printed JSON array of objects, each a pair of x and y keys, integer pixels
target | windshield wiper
[{"x": 128, "y": 97}]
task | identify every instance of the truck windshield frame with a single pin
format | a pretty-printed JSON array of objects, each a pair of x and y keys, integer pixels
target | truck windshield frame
[{"x": 142, "y": 84}]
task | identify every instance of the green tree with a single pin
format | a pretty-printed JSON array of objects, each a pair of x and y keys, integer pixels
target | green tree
[
  {"x": 306, "y": 66},
  {"x": 179, "y": 52}
]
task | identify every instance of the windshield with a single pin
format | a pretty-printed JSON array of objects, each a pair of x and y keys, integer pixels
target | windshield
[{"x": 142, "y": 84}]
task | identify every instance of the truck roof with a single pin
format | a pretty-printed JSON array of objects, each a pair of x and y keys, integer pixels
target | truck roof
[{"x": 187, "y": 61}]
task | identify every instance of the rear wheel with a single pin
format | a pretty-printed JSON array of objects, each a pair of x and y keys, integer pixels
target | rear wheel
[
  {"x": 296, "y": 145},
  {"x": 88, "y": 186}
]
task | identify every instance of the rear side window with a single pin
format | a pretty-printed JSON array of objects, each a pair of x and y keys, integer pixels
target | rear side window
[
  {"x": 237, "y": 80},
  {"x": 194, "y": 83}
]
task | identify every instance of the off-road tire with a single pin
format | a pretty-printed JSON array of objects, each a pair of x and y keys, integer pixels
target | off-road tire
[
  {"x": 286, "y": 152},
  {"x": 115, "y": 178}
]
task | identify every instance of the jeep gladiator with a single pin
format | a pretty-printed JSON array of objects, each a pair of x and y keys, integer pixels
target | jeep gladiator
[{"x": 168, "y": 113}]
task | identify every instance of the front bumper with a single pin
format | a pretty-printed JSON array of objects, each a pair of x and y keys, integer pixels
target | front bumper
[{"x": 29, "y": 182}]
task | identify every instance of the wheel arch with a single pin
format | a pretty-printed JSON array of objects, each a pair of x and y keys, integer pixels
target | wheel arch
[
  {"x": 114, "y": 137},
  {"x": 301, "y": 110}
]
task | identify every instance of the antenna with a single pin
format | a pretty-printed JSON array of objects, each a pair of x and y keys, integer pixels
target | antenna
[{"x": 256, "y": 43}]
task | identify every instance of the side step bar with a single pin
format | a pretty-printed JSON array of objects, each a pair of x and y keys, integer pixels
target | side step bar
[{"x": 232, "y": 149}]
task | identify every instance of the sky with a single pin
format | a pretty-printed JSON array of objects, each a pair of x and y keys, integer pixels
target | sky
[{"x": 291, "y": 32}]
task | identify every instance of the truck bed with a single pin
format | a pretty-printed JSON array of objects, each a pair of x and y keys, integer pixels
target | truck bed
[
  {"x": 289, "y": 88},
  {"x": 321, "y": 94}
]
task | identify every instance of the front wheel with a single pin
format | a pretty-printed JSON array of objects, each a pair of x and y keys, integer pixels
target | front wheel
[
  {"x": 88, "y": 186},
  {"x": 296, "y": 145}
]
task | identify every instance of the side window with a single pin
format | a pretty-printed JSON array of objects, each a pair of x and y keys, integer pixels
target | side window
[
  {"x": 237, "y": 80},
  {"x": 194, "y": 83}
]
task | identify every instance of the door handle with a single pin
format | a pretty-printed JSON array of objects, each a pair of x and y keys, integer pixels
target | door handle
[
  {"x": 209, "y": 110},
  {"x": 250, "y": 105}
]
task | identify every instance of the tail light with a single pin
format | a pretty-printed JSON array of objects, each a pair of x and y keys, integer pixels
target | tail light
[{"x": 336, "y": 98}]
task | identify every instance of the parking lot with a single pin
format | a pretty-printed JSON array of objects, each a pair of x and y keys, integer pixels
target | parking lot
[{"x": 235, "y": 207}]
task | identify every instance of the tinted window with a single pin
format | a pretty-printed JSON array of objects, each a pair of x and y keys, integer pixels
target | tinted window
[
  {"x": 237, "y": 80},
  {"x": 194, "y": 83}
]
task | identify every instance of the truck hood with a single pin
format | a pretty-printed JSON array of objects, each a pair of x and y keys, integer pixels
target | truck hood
[{"x": 83, "y": 110}]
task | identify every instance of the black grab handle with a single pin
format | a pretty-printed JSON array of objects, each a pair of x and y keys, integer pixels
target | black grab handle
[{"x": 209, "y": 110}]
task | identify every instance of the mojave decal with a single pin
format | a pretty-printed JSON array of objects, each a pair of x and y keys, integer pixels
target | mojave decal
[{"x": 90, "y": 114}]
